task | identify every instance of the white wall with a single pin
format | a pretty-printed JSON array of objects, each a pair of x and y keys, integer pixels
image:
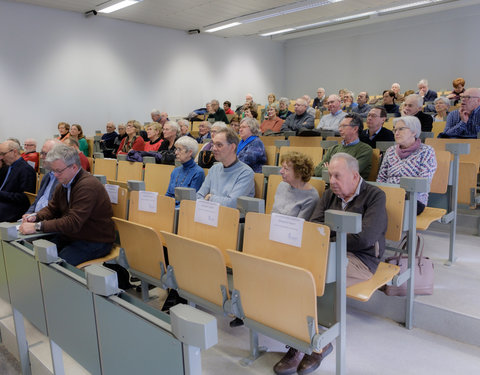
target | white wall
[
  {"x": 60, "y": 66},
  {"x": 439, "y": 46}
]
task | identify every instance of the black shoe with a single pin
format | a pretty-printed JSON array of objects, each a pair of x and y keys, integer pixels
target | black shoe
[
  {"x": 237, "y": 322},
  {"x": 173, "y": 299}
]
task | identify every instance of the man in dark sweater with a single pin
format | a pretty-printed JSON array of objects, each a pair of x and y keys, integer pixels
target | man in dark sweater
[
  {"x": 413, "y": 107},
  {"x": 217, "y": 113},
  {"x": 348, "y": 192},
  {"x": 79, "y": 211},
  {"x": 376, "y": 132}
]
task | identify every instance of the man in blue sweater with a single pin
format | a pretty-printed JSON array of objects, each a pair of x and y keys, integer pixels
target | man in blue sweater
[{"x": 230, "y": 178}]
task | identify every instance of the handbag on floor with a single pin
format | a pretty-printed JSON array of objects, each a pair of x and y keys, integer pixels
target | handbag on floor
[{"x": 423, "y": 270}]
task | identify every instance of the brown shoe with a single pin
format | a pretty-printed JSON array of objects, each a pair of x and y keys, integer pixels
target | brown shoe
[
  {"x": 311, "y": 362},
  {"x": 289, "y": 363}
]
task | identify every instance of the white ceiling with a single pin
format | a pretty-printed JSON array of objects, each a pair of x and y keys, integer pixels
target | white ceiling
[{"x": 200, "y": 14}]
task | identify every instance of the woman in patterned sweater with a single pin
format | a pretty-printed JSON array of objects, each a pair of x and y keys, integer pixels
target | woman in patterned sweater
[
  {"x": 251, "y": 150},
  {"x": 409, "y": 157}
]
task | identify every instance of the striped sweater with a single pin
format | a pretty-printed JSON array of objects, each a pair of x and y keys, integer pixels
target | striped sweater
[{"x": 421, "y": 163}]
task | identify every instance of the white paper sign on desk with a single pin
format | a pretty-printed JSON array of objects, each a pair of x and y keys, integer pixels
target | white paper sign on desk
[
  {"x": 112, "y": 191},
  {"x": 286, "y": 229},
  {"x": 206, "y": 212},
  {"x": 147, "y": 201}
]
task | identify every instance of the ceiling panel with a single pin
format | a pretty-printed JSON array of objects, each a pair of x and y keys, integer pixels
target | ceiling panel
[{"x": 198, "y": 14}]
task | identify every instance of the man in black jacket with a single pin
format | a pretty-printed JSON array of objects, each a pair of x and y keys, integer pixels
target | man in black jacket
[
  {"x": 413, "y": 107},
  {"x": 376, "y": 132}
]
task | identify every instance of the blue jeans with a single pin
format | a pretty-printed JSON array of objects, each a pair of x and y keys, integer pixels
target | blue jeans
[{"x": 76, "y": 252}]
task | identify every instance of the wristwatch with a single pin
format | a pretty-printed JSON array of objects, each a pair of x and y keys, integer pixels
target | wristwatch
[{"x": 38, "y": 226}]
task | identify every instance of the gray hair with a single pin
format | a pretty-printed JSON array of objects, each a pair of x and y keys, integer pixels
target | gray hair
[
  {"x": 219, "y": 125},
  {"x": 442, "y": 99},
  {"x": 410, "y": 122},
  {"x": 174, "y": 125},
  {"x": 284, "y": 100},
  {"x": 215, "y": 101},
  {"x": 13, "y": 144},
  {"x": 155, "y": 112},
  {"x": 183, "y": 122},
  {"x": 64, "y": 153},
  {"x": 252, "y": 124},
  {"x": 423, "y": 81},
  {"x": 418, "y": 98},
  {"x": 188, "y": 143},
  {"x": 352, "y": 163},
  {"x": 302, "y": 99}
]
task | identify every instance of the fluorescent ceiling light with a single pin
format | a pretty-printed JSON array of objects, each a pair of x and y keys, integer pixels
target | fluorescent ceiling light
[
  {"x": 223, "y": 27},
  {"x": 118, "y": 6},
  {"x": 402, "y": 7},
  {"x": 277, "y": 32}
]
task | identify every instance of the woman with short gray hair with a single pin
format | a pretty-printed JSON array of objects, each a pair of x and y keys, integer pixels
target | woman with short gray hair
[
  {"x": 171, "y": 132},
  {"x": 189, "y": 174},
  {"x": 283, "y": 112},
  {"x": 442, "y": 104},
  {"x": 409, "y": 157},
  {"x": 251, "y": 150}
]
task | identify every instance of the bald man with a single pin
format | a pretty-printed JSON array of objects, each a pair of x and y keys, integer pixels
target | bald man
[
  {"x": 20, "y": 177},
  {"x": 464, "y": 122}
]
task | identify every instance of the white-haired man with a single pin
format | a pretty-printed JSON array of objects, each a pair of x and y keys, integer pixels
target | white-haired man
[
  {"x": 412, "y": 106},
  {"x": 301, "y": 119},
  {"x": 336, "y": 115}
]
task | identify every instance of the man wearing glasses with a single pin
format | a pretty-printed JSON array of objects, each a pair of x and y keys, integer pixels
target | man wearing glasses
[
  {"x": 301, "y": 119},
  {"x": 464, "y": 122},
  {"x": 30, "y": 154},
  {"x": 376, "y": 132},
  {"x": 336, "y": 115},
  {"x": 19, "y": 177},
  {"x": 79, "y": 211}
]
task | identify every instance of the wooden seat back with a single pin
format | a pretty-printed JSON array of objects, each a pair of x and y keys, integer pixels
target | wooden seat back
[
  {"x": 157, "y": 177},
  {"x": 438, "y": 127},
  {"x": 334, "y": 138},
  {"x": 143, "y": 247},
  {"x": 473, "y": 157},
  {"x": 106, "y": 167},
  {"x": 375, "y": 165},
  {"x": 271, "y": 152},
  {"x": 31, "y": 196},
  {"x": 277, "y": 295},
  {"x": 120, "y": 208},
  {"x": 199, "y": 267},
  {"x": 395, "y": 205},
  {"x": 312, "y": 255},
  {"x": 162, "y": 220},
  {"x": 440, "y": 178},
  {"x": 259, "y": 180},
  {"x": 316, "y": 153},
  {"x": 269, "y": 140},
  {"x": 273, "y": 182},
  {"x": 224, "y": 236},
  {"x": 297, "y": 141},
  {"x": 129, "y": 170}
]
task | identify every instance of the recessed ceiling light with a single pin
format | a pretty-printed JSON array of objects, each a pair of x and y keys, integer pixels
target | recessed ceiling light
[
  {"x": 228, "y": 25},
  {"x": 118, "y": 6}
]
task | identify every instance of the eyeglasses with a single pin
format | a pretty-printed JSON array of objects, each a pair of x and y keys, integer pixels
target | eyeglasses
[
  {"x": 399, "y": 129},
  {"x": 61, "y": 170},
  {"x": 344, "y": 126},
  {"x": 5, "y": 153},
  {"x": 466, "y": 97},
  {"x": 373, "y": 115}
]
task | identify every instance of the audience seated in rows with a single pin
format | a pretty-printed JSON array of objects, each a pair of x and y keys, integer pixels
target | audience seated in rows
[
  {"x": 73, "y": 143},
  {"x": 409, "y": 157},
  {"x": 216, "y": 113},
  {"x": 412, "y": 106},
  {"x": 442, "y": 104},
  {"x": 350, "y": 129},
  {"x": 230, "y": 178},
  {"x": 319, "y": 99},
  {"x": 185, "y": 128},
  {"x": 154, "y": 133},
  {"x": 251, "y": 150},
  {"x": 423, "y": 90},
  {"x": 30, "y": 154},
  {"x": 80, "y": 214},
  {"x": 389, "y": 103},
  {"x": 283, "y": 112},
  {"x": 107, "y": 143},
  {"x": 205, "y": 158},
  {"x": 227, "y": 108},
  {"x": 133, "y": 140},
  {"x": 458, "y": 89},
  {"x": 20, "y": 177},
  {"x": 376, "y": 132},
  {"x": 362, "y": 107},
  {"x": 63, "y": 130},
  {"x": 348, "y": 104},
  {"x": 49, "y": 180},
  {"x": 171, "y": 132},
  {"x": 272, "y": 122},
  {"x": 294, "y": 195},
  {"x": 301, "y": 119},
  {"x": 189, "y": 174},
  {"x": 204, "y": 132},
  {"x": 76, "y": 133},
  {"x": 310, "y": 110},
  {"x": 336, "y": 115},
  {"x": 464, "y": 122}
]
